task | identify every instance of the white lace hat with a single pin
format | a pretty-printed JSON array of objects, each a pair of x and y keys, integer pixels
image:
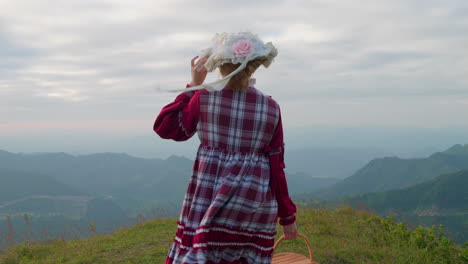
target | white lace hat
[{"x": 234, "y": 48}]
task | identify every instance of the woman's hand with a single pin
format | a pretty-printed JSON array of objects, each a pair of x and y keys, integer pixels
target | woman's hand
[
  {"x": 290, "y": 231},
  {"x": 199, "y": 71}
]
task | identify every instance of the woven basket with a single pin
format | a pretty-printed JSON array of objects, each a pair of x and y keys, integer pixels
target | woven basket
[{"x": 292, "y": 258}]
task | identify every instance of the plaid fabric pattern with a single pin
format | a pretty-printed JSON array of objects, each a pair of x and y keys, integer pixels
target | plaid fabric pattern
[
  {"x": 229, "y": 213},
  {"x": 237, "y": 121}
]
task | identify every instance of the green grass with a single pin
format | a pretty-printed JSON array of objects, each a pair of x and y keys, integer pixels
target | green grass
[{"x": 342, "y": 235}]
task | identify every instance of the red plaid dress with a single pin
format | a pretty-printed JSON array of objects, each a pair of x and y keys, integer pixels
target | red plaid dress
[{"x": 237, "y": 189}]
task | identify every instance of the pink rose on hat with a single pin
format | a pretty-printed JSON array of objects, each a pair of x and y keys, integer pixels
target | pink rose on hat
[{"x": 241, "y": 48}]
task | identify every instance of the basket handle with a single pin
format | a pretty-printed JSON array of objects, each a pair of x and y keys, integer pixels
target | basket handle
[{"x": 311, "y": 254}]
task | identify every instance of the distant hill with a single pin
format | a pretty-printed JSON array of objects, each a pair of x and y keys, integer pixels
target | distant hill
[
  {"x": 136, "y": 184},
  {"x": 342, "y": 235},
  {"x": 34, "y": 201},
  {"x": 60, "y": 215},
  {"x": 302, "y": 183},
  {"x": 442, "y": 200},
  {"x": 446, "y": 193},
  {"x": 393, "y": 173},
  {"x": 96, "y": 173},
  {"x": 132, "y": 181},
  {"x": 329, "y": 162},
  {"x": 40, "y": 194},
  {"x": 19, "y": 184}
]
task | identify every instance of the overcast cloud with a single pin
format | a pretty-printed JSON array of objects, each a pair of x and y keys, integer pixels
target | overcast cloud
[{"x": 94, "y": 65}]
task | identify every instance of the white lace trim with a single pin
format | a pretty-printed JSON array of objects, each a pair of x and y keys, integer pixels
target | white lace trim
[
  {"x": 198, "y": 245},
  {"x": 232, "y": 232}
]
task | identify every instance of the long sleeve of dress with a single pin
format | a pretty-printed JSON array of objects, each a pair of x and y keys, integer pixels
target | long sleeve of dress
[
  {"x": 278, "y": 184},
  {"x": 178, "y": 120}
]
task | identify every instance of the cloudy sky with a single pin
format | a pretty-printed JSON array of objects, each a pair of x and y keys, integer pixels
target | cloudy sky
[{"x": 93, "y": 66}]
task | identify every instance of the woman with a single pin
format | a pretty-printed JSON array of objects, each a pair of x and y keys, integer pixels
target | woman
[{"x": 238, "y": 189}]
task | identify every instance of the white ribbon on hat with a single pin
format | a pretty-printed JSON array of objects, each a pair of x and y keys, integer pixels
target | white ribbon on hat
[{"x": 217, "y": 85}]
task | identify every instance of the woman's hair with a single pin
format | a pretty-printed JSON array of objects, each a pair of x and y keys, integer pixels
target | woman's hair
[{"x": 240, "y": 81}]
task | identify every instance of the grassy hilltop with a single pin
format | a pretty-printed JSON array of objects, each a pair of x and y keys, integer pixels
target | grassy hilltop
[{"x": 342, "y": 235}]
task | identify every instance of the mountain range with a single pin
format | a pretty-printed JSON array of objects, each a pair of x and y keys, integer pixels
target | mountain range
[
  {"x": 394, "y": 173},
  {"x": 134, "y": 183},
  {"x": 442, "y": 200},
  {"x": 116, "y": 186},
  {"x": 16, "y": 185},
  {"x": 445, "y": 194}
]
